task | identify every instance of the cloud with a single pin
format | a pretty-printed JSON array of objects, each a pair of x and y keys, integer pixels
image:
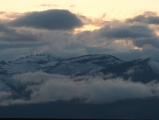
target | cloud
[
  {"x": 5, "y": 29},
  {"x": 154, "y": 41},
  {"x": 71, "y": 6},
  {"x": 49, "y": 5},
  {"x": 126, "y": 32},
  {"x": 141, "y": 35},
  {"x": 93, "y": 21},
  {"x": 131, "y": 54},
  {"x": 9, "y": 34},
  {"x": 44, "y": 87},
  {"x": 118, "y": 38},
  {"x": 50, "y": 20},
  {"x": 18, "y": 42},
  {"x": 6, "y": 16},
  {"x": 147, "y": 17},
  {"x": 4, "y": 95}
]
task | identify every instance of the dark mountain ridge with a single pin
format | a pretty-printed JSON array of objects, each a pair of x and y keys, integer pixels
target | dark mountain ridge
[{"x": 143, "y": 70}]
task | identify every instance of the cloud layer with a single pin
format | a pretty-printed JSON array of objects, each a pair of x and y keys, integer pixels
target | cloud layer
[
  {"x": 50, "y": 19},
  {"x": 43, "y": 87},
  {"x": 52, "y": 32},
  {"x": 147, "y": 17}
]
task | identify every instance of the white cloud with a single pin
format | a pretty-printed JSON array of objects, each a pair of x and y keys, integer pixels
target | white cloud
[{"x": 49, "y": 87}]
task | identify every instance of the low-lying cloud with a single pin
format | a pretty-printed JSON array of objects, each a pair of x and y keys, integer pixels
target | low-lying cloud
[{"x": 43, "y": 87}]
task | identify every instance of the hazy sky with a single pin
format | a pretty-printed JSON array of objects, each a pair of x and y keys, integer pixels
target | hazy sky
[
  {"x": 93, "y": 8},
  {"x": 128, "y": 29}
]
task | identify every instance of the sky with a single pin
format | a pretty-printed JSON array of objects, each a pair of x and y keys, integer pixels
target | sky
[
  {"x": 127, "y": 29},
  {"x": 95, "y": 8}
]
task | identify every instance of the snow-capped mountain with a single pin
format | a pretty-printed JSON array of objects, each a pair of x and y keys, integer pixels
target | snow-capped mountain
[
  {"x": 84, "y": 64},
  {"x": 30, "y": 63},
  {"x": 140, "y": 70},
  {"x": 77, "y": 65},
  {"x": 143, "y": 70}
]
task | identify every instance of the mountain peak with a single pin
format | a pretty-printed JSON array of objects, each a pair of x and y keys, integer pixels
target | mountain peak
[
  {"x": 93, "y": 57},
  {"x": 41, "y": 58}
]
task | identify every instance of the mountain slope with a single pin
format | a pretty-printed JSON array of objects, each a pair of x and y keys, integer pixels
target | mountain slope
[
  {"x": 143, "y": 70},
  {"x": 30, "y": 63},
  {"x": 79, "y": 68},
  {"x": 84, "y": 64}
]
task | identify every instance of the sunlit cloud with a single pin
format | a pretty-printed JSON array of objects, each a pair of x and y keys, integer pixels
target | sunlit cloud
[{"x": 7, "y": 16}]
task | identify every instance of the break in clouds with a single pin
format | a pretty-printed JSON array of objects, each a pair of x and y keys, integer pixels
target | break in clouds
[
  {"x": 52, "y": 32},
  {"x": 44, "y": 87}
]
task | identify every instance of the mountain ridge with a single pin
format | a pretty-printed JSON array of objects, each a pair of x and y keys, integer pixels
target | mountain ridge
[
  {"x": 106, "y": 67},
  {"x": 83, "y": 65}
]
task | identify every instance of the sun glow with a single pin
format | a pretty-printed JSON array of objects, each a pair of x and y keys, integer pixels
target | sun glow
[
  {"x": 124, "y": 42},
  {"x": 128, "y": 44},
  {"x": 86, "y": 28},
  {"x": 137, "y": 48}
]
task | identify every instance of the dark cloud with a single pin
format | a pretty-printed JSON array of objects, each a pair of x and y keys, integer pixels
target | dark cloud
[
  {"x": 133, "y": 54},
  {"x": 17, "y": 45},
  {"x": 126, "y": 31},
  {"x": 20, "y": 41},
  {"x": 50, "y": 19},
  {"x": 9, "y": 34},
  {"x": 5, "y": 29},
  {"x": 147, "y": 17},
  {"x": 141, "y": 42},
  {"x": 19, "y": 37},
  {"x": 141, "y": 35}
]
